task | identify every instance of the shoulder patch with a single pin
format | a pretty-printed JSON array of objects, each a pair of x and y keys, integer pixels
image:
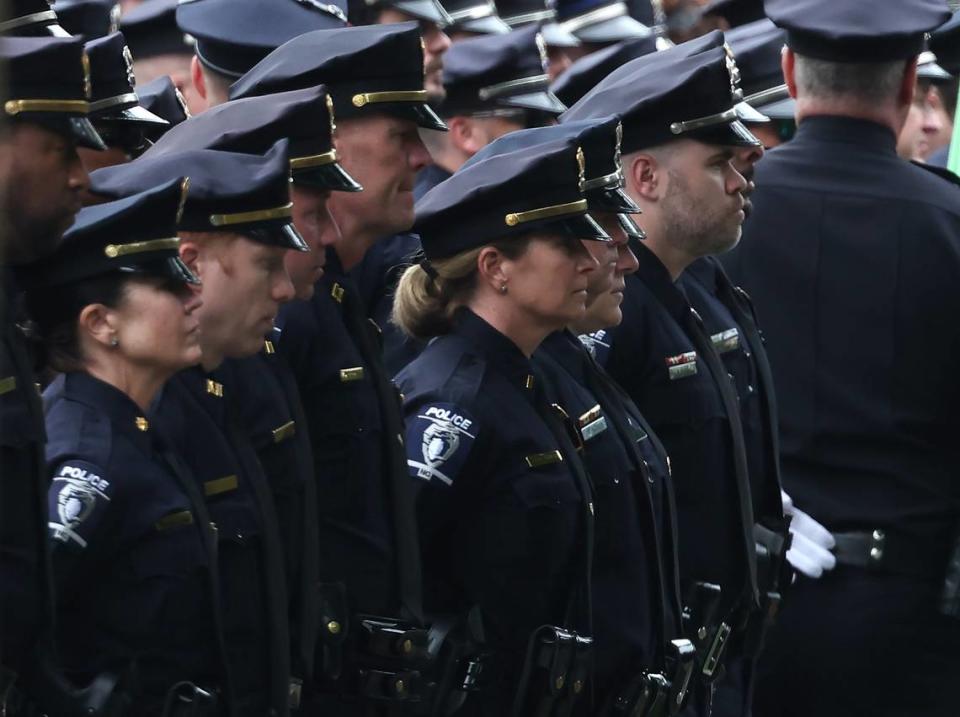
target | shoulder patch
[
  {"x": 77, "y": 499},
  {"x": 598, "y": 344},
  {"x": 440, "y": 437}
]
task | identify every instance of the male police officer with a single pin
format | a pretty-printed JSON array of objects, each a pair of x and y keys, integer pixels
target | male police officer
[
  {"x": 681, "y": 129},
  {"x": 45, "y": 103},
  {"x": 851, "y": 255}
]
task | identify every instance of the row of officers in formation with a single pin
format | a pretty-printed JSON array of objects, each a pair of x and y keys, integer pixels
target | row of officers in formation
[{"x": 410, "y": 378}]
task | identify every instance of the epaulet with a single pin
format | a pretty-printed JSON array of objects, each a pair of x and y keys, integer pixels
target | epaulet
[{"x": 942, "y": 172}]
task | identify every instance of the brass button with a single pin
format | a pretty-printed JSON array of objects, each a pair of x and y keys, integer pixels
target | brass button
[
  {"x": 578, "y": 686},
  {"x": 702, "y": 633},
  {"x": 878, "y": 535},
  {"x": 400, "y": 687},
  {"x": 334, "y": 627},
  {"x": 408, "y": 646},
  {"x": 559, "y": 682}
]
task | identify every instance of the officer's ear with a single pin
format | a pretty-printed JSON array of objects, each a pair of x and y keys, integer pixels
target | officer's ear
[
  {"x": 787, "y": 65},
  {"x": 97, "y": 322},
  {"x": 190, "y": 253},
  {"x": 463, "y": 134},
  {"x": 643, "y": 173},
  {"x": 197, "y": 79},
  {"x": 491, "y": 269}
]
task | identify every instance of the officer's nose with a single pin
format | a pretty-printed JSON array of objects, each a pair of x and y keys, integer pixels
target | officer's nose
[
  {"x": 626, "y": 260},
  {"x": 77, "y": 177},
  {"x": 193, "y": 300},
  {"x": 283, "y": 290}
]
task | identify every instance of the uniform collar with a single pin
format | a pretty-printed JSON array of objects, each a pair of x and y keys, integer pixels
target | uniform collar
[
  {"x": 565, "y": 348},
  {"x": 846, "y": 130},
  {"x": 705, "y": 271},
  {"x": 656, "y": 278},
  {"x": 495, "y": 348},
  {"x": 124, "y": 414},
  {"x": 333, "y": 267}
]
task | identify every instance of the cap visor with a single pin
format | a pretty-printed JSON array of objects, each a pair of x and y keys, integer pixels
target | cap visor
[
  {"x": 580, "y": 226},
  {"x": 84, "y": 133},
  {"x": 328, "y": 176},
  {"x": 284, "y": 236},
  {"x": 933, "y": 72},
  {"x": 780, "y": 110},
  {"x": 734, "y": 134},
  {"x": 544, "y": 101},
  {"x": 556, "y": 36},
  {"x": 131, "y": 115},
  {"x": 611, "y": 200},
  {"x": 631, "y": 228},
  {"x": 424, "y": 10},
  {"x": 170, "y": 267},
  {"x": 490, "y": 25},
  {"x": 422, "y": 114},
  {"x": 746, "y": 113},
  {"x": 613, "y": 30}
]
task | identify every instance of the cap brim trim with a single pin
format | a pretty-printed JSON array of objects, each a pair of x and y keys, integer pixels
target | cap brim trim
[
  {"x": 631, "y": 228},
  {"x": 293, "y": 239},
  {"x": 611, "y": 199},
  {"x": 74, "y": 107},
  {"x": 554, "y": 210},
  {"x": 258, "y": 215},
  {"x": 424, "y": 10},
  {"x": 327, "y": 176},
  {"x": 113, "y": 251},
  {"x": 133, "y": 115}
]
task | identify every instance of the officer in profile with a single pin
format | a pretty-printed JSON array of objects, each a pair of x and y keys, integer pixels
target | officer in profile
[
  {"x": 681, "y": 131},
  {"x": 133, "y": 554},
  {"x": 231, "y": 36},
  {"x": 234, "y": 232},
  {"x": 114, "y": 106},
  {"x": 45, "y": 104},
  {"x": 370, "y": 574},
  {"x": 851, "y": 256},
  {"x": 587, "y": 72},
  {"x": 504, "y": 507},
  {"x": 162, "y": 98}
]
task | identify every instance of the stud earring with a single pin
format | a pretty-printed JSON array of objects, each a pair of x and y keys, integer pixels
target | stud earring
[
  {"x": 503, "y": 288},
  {"x": 114, "y": 341}
]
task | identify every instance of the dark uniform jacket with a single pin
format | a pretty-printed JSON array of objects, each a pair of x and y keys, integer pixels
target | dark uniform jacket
[
  {"x": 500, "y": 510},
  {"x": 266, "y": 396},
  {"x": 352, "y": 411},
  {"x": 25, "y": 604},
  {"x": 662, "y": 355},
  {"x": 635, "y": 592},
  {"x": 852, "y": 256},
  {"x": 201, "y": 418},
  {"x": 133, "y": 548}
]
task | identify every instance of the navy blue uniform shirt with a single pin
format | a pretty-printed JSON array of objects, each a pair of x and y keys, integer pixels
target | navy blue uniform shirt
[
  {"x": 132, "y": 551},
  {"x": 500, "y": 511}
]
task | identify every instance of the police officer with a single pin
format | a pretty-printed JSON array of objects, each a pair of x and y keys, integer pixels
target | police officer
[
  {"x": 504, "y": 506},
  {"x": 598, "y": 24},
  {"x": 114, "y": 106},
  {"x": 850, "y": 256},
  {"x": 473, "y": 18},
  {"x": 30, "y": 18},
  {"x": 586, "y": 73},
  {"x": 264, "y": 386},
  {"x": 636, "y": 618},
  {"x": 678, "y": 156},
  {"x": 133, "y": 546},
  {"x": 91, "y": 19},
  {"x": 231, "y": 36},
  {"x": 235, "y": 229},
  {"x": 541, "y": 14},
  {"x": 162, "y": 98},
  {"x": 45, "y": 106},
  {"x": 493, "y": 85}
]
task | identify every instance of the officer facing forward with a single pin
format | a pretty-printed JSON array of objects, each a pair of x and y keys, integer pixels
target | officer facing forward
[{"x": 852, "y": 256}]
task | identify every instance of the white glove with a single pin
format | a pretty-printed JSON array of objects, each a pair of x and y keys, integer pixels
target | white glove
[{"x": 810, "y": 550}]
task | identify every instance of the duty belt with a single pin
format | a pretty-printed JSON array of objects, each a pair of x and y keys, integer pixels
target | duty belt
[
  {"x": 555, "y": 673},
  {"x": 883, "y": 551},
  {"x": 658, "y": 694}
]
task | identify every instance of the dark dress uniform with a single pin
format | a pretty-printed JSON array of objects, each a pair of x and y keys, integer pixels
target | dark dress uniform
[
  {"x": 25, "y": 596},
  {"x": 201, "y": 418},
  {"x": 270, "y": 414},
  {"x": 663, "y": 357},
  {"x": 851, "y": 257},
  {"x": 635, "y": 588},
  {"x": 133, "y": 548},
  {"x": 500, "y": 508}
]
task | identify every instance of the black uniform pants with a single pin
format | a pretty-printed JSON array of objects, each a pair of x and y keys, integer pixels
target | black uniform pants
[{"x": 856, "y": 643}]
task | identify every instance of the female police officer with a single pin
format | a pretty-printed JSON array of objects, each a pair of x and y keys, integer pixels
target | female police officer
[
  {"x": 131, "y": 545},
  {"x": 504, "y": 507}
]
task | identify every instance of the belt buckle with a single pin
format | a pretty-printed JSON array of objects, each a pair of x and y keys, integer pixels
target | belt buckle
[{"x": 711, "y": 662}]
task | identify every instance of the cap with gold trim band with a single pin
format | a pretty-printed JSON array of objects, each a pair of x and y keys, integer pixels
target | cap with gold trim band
[
  {"x": 114, "y": 98},
  {"x": 673, "y": 94},
  {"x": 253, "y": 125},
  {"x": 89, "y": 18},
  {"x": 162, "y": 98},
  {"x": 498, "y": 72},
  {"x": 757, "y": 48},
  {"x": 367, "y": 69},
  {"x": 135, "y": 234},
  {"x": 586, "y": 73},
  {"x": 509, "y": 195},
  {"x": 857, "y": 32},
  {"x": 598, "y": 140},
  {"x": 599, "y": 21},
  {"x": 234, "y": 35},
  {"x": 543, "y": 14},
  {"x": 48, "y": 83},
  {"x": 246, "y": 194},
  {"x": 478, "y": 17},
  {"x": 428, "y": 10},
  {"x": 30, "y": 18}
]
